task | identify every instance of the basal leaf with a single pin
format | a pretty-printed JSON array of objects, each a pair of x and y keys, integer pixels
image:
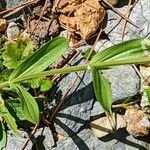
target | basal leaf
[
  {"x": 136, "y": 48},
  {"x": 102, "y": 90},
  {"x": 15, "y": 52},
  {"x": 8, "y": 117},
  {"x": 46, "y": 85},
  {"x": 30, "y": 108},
  {"x": 42, "y": 58},
  {"x": 3, "y": 136},
  {"x": 42, "y": 83}
]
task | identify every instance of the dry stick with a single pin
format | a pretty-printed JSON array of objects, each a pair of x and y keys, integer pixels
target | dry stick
[
  {"x": 67, "y": 93},
  {"x": 129, "y": 10},
  {"x": 125, "y": 105},
  {"x": 117, "y": 12},
  {"x": 77, "y": 54},
  {"x": 92, "y": 49},
  {"x": 62, "y": 100},
  {"x": 14, "y": 10},
  {"x": 44, "y": 8},
  {"x": 28, "y": 139}
]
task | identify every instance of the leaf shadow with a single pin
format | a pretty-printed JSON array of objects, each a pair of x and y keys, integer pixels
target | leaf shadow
[{"x": 121, "y": 136}]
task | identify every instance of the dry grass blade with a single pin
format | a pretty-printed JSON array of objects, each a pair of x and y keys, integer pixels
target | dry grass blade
[
  {"x": 120, "y": 14},
  {"x": 129, "y": 10}
]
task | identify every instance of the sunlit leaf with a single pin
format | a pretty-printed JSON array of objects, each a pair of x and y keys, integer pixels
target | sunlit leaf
[
  {"x": 8, "y": 117},
  {"x": 46, "y": 85},
  {"x": 42, "y": 58},
  {"x": 30, "y": 108},
  {"x": 43, "y": 84},
  {"x": 102, "y": 90},
  {"x": 136, "y": 48},
  {"x": 3, "y": 136},
  {"x": 15, "y": 52},
  {"x": 148, "y": 94}
]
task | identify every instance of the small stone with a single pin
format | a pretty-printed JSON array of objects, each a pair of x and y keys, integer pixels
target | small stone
[
  {"x": 138, "y": 123},
  {"x": 102, "y": 126},
  {"x": 12, "y": 31},
  {"x": 3, "y": 25}
]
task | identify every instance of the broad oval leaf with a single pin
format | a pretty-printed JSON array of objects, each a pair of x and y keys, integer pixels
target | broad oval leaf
[
  {"x": 102, "y": 90},
  {"x": 135, "y": 48},
  {"x": 30, "y": 108},
  {"x": 42, "y": 58},
  {"x": 8, "y": 117},
  {"x": 3, "y": 136}
]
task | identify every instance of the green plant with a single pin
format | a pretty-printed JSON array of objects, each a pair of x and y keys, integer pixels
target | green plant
[{"x": 131, "y": 52}]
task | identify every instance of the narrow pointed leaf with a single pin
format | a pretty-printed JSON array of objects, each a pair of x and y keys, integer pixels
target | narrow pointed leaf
[
  {"x": 11, "y": 122},
  {"x": 30, "y": 108},
  {"x": 42, "y": 58},
  {"x": 148, "y": 94},
  {"x": 102, "y": 90},
  {"x": 3, "y": 136},
  {"x": 136, "y": 48}
]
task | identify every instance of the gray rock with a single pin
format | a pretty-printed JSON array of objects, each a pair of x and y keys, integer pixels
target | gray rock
[
  {"x": 43, "y": 138},
  {"x": 124, "y": 82},
  {"x": 14, "y": 142},
  {"x": 13, "y": 3},
  {"x": 85, "y": 140},
  {"x": 140, "y": 17},
  {"x": 76, "y": 109},
  {"x": 12, "y": 31}
]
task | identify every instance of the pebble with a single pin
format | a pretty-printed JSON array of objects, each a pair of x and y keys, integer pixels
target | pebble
[{"x": 12, "y": 31}]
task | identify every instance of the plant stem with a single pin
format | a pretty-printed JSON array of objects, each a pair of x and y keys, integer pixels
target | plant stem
[{"x": 99, "y": 65}]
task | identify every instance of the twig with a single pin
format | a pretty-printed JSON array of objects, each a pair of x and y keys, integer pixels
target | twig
[
  {"x": 62, "y": 100},
  {"x": 129, "y": 10},
  {"x": 125, "y": 105},
  {"x": 14, "y": 10},
  {"x": 120, "y": 14},
  {"x": 92, "y": 49},
  {"x": 28, "y": 139},
  {"x": 44, "y": 8}
]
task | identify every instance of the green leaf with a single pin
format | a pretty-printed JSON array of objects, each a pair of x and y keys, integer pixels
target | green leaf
[
  {"x": 16, "y": 52},
  {"x": 148, "y": 94},
  {"x": 8, "y": 117},
  {"x": 14, "y": 107},
  {"x": 135, "y": 48},
  {"x": 86, "y": 53},
  {"x": 44, "y": 84},
  {"x": 30, "y": 108},
  {"x": 42, "y": 58},
  {"x": 3, "y": 136},
  {"x": 102, "y": 90}
]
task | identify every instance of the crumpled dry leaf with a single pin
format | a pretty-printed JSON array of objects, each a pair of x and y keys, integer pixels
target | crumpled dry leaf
[{"x": 85, "y": 17}]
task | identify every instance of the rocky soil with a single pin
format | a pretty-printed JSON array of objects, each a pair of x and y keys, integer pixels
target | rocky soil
[{"x": 80, "y": 121}]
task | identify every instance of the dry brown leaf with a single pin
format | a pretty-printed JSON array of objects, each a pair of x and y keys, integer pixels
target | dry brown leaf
[{"x": 86, "y": 17}]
